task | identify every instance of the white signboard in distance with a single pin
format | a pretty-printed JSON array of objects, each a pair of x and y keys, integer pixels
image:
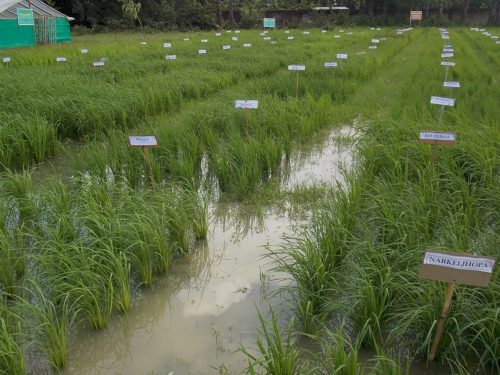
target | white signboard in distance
[
  {"x": 447, "y": 55},
  {"x": 262, "y": 34},
  {"x": 84, "y": 51},
  {"x": 372, "y": 47},
  {"x": 323, "y": 31},
  {"x": 349, "y": 33},
  {"x": 290, "y": 38},
  {"x": 375, "y": 40},
  {"x": 236, "y": 31},
  {"x": 342, "y": 56},
  {"x": 246, "y": 104},
  {"x": 274, "y": 42},
  {"x": 463, "y": 263},
  {"x": 167, "y": 45},
  {"x": 204, "y": 40},
  {"x": 202, "y": 51},
  {"x": 234, "y": 38},
  {"x": 287, "y": 31},
  {"x": 331, "y": 64},
  {"x": 226, "y": 47},
  {"x": 449, "y": 102},
  {"x": 186, "y": 39},
  {"x": 336, "y": 36},
  {"x": 98, "y": 63},
  {"x": 61, "y": 59},
  {"x": 171, "y": 57},
  {"x": 429, "y": 136},
  {"x": 447, "y": 63},
  {"x": 247, "y": 45},
  {"x": 218, "y": 34},
  {"x": 143, "y": 141},
  {"x": 306, "y": 33},
  {"x": 267, "y": 38},
  {"x": 296, "y": 67},
  {"x": 447, "y": 49},
  {"x": 6, "y": 59},
  {"x": 451, "y": 84}
]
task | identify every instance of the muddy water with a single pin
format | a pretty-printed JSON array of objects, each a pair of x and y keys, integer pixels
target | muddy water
[{"x": 194, "y": 320}]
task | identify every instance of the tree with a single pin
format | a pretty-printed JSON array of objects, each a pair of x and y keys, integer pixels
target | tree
[{"x": 131, "y": 10}]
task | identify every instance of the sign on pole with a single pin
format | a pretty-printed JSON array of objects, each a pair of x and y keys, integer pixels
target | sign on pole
[
  {"x": 416, "y": 15},
  {"x": 246, "y": 104},
  {"x": 437, "y": 137},
  {"x": 270, "y": 23},
  {"x": 143, "y": 141},
  {"x": 25, "y": 17}
]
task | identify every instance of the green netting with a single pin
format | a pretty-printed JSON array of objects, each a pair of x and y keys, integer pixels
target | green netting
[
  {"x": 12, "y": 35},
  {"x": 63, "y": 30}
]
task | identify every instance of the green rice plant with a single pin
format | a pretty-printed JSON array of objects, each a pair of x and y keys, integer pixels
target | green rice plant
[
  {"x": 339, "y": 355},
  {"x": 275, "y": 355},
  {"x": 11, "y": 356}
]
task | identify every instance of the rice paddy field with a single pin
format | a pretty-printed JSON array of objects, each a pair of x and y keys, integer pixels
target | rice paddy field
[{"x": 285, "y": 239}]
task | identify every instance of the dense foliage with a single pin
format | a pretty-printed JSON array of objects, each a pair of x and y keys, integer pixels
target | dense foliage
[{"x": 206, "y": 14}]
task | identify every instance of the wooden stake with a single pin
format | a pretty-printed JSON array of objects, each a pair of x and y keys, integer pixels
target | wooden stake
[
  {"x": 149, "y": 165},
  {"x": 433, "y": 153},
  {"x": 297, "y": 87},
  {"x": 446, "y": 73},
  {"x": 246, "y": 119},
  {"x": 441, "y": 321}
]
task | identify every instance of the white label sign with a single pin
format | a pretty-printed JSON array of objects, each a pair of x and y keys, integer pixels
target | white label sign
[
  {"x": 60, "y": 59},
  {"x": 204, "y": 40},
  {"x": 247, "y": 45},
  {"x": 186, "y": 39},
  {"x": 218, "y": 34},
  {"x": 349, "y": 33},
  {"x": 234, "y": 38},
  {"x": 142, "y": 141},
  {"x": 336, "y": 36},
  {"x": 447, "y": 49},
  {"x": 456, "y": 262},
  {"x": 372, "y": 47},
  {"x": 452, "y": 85},
  {"x": 445, "y": 37},
  {"x": 171, "y": 57},
  {"x": 287, "y": 31},
  {"x": 399, "y": 33},
  {"x": 202, "y": 51},
  {"x": 226, "y": 47},
  {"x": 375, "y": 40},
  {"x": 332, "y": 64},
  {"x": 445, "y": 55},
  {"x": 437, "y": 136},
  {"x": 84, "y": 51},
  {"x": 497, "y": 42},
  {"x": 342, "y": 56},
  {"x": 236, "y": 31},
  {"x": 494, "y": 37},
  {"x": 98, "y": 63},
  {"x": 296, "y": 67},
  {"x": 323, "y": 31},
  {"x": 167, "y": 45},
  {"x": 246, "y": 104},
  {"x": 267, "y": 38},
  {"x": 442, "y": 101},
  {"x": 6, "y": 59},
  {"x": 274, "y": 42},
  {"x": 447, "y": 63},
  {"x": 306, "y": 32},
  {"x": 143, "y": 43},
  {"x": 290, "y": 38},
  {"x": 262, "y": 34}
]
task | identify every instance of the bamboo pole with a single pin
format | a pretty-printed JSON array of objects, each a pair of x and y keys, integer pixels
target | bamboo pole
[{"x": 442, "y": 320}]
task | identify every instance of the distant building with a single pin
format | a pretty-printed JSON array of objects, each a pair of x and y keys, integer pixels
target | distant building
[{"x": 25, "y": 23}]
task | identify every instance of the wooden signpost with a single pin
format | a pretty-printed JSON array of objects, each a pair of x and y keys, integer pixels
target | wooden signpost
[
  {"x": 443, "y": 102},
  {"x": 297, "y": 68},
  {"x": 434, "y": 138},
  {"x": 454, "y": 268},
  {"x": 246, "y": 105},
  {"x": 145, "y": 142}
]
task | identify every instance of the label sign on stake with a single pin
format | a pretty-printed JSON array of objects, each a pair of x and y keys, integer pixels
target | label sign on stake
[
  {"x": 372, "y": 47},
  {"x": 204, "y": 40},
  {"x": 332, "y": 64},
  {"x": 60, "y": 59},
  {"x": 290, "y": 38},
  {"x": 143, "y": 43},
  {"x": 342, "y": 56},
  {"x": 218, "y": 34},
  {"x": 167, "y": 45},
  {"x": 234, "y": 38},
  {"x": 96, "y": 64},
  {"x": 247, "y": 45},
  {"x": 437, "y": 137},
  {"x": 447, "y": 49},
  {"x": 447, "y": 54},
  {"x": 267, "y": 38},
  {"x": 447, "y": 63},
  {"x": 202, "y": 51},
  {"x": 442, "y": 101},
  {"x": 6, "y": 59},
  {"x": 451, "y": 84},
  {"x": 171, "y": 57},
  {"x": 226, "y": 47},
  {"x": 143, "y": 141},
  {"x": 296, "y": 67},
  {"x": 454, "y": 268},
  {"x": 246, "y": 104},
  {"x": 375, "y": 40},
  {"x": 84, "y": 51}
]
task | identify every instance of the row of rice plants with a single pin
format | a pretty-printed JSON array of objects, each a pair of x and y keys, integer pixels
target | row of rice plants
[{"x": 357, "y": 265}]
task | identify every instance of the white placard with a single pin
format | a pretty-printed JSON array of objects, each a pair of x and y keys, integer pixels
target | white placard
[
  {"x": 341, "y": 31},
  {"x": 262, "y": 34},
  {"x": 382, "y": 39},
  {"x": 84, "y": 51},
  {"x": 445, "y": 55},
  {"x": 451, "y": 84},
  {"x": 143, "y": 141},
  {"x": 342, "y": 56},
  {"x": 226, "y": 47},
  {"x": 6, "y": 59},
  {"x": 98, "y": 63},
  {"x": 267, "y": 38},
  {"x": 274, "y": 42},
  {"x": 247, "y": 45},
  {"x": 306, "y": 33},
  {"x": 332, "y": 64},
  {"x": 143, "y": 43},
  {"x": 361, "y": 53},
  {"x": 171, "y": 57},
  {"x": 236, "y": 31},
  {"x": 246, "y": 104},
  {"x": 323, "y": 31},
  {"x": 497, "y": 42},
  {"x": 445, "y": 37},
  {"x": 61, "y": 59},
  {"x": 296, "y": 67},
  {"x": 447, "y": 63},
  {"x": 218, "y": 34},
  {"x": 442, "y": 101},
  {"x": 378, "y": 29},
  {"x": 372, "y": 28},
  {"x": 437, "y": 136},
  {"x": 448, "y": 50},
  {"x": 372, "y": 47},
  {"x": 204, "y": 40},
  {"x": 349, "y": 33},
  {"x": 229, "y": 31},
  {"x": 494, "y": 37},
  {"x": 186, "y": 39},
  {"x": 167, "y": 45},
  {"x": 336, "y": 36},
  {"x": 456, "y": 262},
  {"x": 290, "y": 38},
  {"x": 287, "y": 31},
  {"x": 265, "y": 31},
  {"x": 375, "y": 40},
  {"x": 202, "y": 51},
  {"x": 234, "y": 38},
  {"x": 399, "y": 33}
]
